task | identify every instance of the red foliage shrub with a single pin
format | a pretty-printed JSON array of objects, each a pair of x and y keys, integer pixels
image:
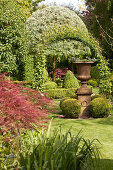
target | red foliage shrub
[
  {"x": 20, "y": 107},
  {"x": 60, "y": 72}
]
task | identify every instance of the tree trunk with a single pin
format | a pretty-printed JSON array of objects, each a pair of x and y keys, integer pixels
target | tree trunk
[{"x": 54, "y": 76}]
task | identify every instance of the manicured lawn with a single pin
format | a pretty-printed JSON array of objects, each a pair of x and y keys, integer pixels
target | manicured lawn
[{"x": 101, "y": 129}]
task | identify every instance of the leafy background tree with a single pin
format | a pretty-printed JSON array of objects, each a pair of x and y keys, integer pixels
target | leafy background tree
[
  {"x": 99, "y": 19},
  {"x": 14, "y": 35},
  {"x": 13, "y": 38}
]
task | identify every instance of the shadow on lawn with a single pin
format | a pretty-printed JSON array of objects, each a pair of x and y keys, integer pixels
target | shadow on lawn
[{"x": 107, "y": 121}]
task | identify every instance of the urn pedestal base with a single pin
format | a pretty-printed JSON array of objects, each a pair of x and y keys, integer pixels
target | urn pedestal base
[
  {"x": 84, "y": 96},
  {"x": 84, "y": 93},
  {"x": 85, "y": 101}
]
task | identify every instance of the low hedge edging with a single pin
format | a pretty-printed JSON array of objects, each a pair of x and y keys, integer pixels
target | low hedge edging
[{"x": 60, "y": 93}]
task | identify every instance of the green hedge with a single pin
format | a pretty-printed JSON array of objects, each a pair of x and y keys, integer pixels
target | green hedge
[{"x": 60, "y": 93}]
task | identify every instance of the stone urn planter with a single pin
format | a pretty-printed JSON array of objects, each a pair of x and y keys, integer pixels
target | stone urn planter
[{"x": 84, "y": 93}]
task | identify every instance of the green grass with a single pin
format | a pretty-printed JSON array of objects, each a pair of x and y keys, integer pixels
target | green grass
[{"x": 101, "y": 129}]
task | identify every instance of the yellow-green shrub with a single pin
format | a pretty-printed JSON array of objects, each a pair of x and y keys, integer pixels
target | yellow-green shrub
[
  {"x": 71, "y": 108},
  {"x": 61, "y": 101},
  {"x": 92, "y": 82},
  {"x": 70, "y": 81},
  {"x": 100, "y": 107},
  {"x": 50, "y": 85},
  {"x": 97, "y": 96}
]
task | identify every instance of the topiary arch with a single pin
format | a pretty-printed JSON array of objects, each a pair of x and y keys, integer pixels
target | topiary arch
[
  {"x": 87, "y": 49},
  {"x": 60, "y": 32}
]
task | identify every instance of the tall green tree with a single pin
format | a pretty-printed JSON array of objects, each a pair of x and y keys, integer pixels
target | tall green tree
[
  {"x": 100, "y": 21},
  {"x": 13, "y": 38}
]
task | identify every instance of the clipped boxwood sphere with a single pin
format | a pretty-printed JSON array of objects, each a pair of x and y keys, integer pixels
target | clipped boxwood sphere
[
  {"x": 97, "y": 96},
  {"x": 50, "y": 85},
  {"x": 70, "y": 81},
  {"x": 100, "y": 107},
  {"x": 61, "y": 101},
  {"x": 71, "y": 108}
]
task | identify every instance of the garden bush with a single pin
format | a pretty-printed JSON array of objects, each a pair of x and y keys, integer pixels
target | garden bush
[
  {"x": 71, "y": 108},
  {"x": 59, "y": 72},
  {"x": 100, "y": 107},
  {"x": 92, "y": 82},
  {"x": 59, "y": 82},
  {"x": 20, "y": 107},
  {"x": 70, "y": 81},
  {"x": 97, "y": 96},
  {"x": 105, "y": 87},
  {"x": 112, "y": 90},
  {"x": 60, "y": 93},
  {"x": 61, "y": 101},
  {"x": 49, "y": 85}
]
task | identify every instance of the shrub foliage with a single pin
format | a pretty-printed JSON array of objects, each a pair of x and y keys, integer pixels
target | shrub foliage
[
  {"x": 60, "y": 93},
  {"x": 100, "y": 107},
  {"x": 13, "y": 38},
  {"x": 20, "y": 107},
  {"x": 59, "y": 72},
  {"x": 61, "y": 101},
  {"x": 70, "y": 81},
  {"x": 71, "y": 108},
  {"x": 92, "y": 82},
  {"x": 49, "y": 85}
]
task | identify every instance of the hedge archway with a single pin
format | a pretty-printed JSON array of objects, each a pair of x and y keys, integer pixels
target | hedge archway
[{"x": 48, "y": 26}]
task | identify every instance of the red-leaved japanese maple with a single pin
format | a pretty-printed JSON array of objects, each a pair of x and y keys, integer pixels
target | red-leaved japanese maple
[
  {"x": 20, "y": 107},
  {"x": 60, "y": 72}
]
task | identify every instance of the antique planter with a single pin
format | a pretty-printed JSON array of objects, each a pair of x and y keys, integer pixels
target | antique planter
[{"x": 84, "y": 93}]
